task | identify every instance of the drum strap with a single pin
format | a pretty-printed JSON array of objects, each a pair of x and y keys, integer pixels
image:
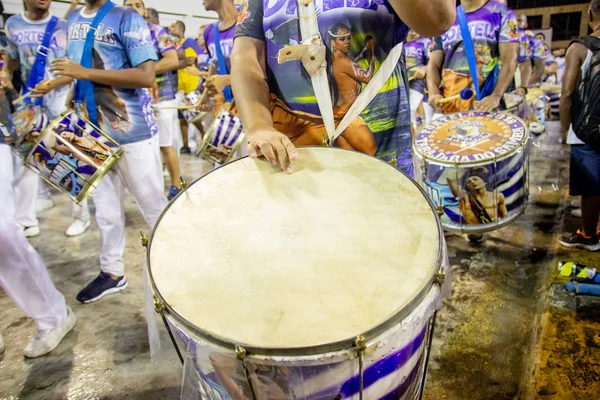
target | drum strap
[
  {"x": 39, "y": 67},
  {"x": 311, "y": 36},
  {"x": 221, "y": 60},
  {"x": 84, "y": 90}
]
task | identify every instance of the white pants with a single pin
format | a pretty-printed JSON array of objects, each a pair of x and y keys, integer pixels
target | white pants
[
  {"x": 415, "y": 101},
  {"x": 429, "y": 111},
  {"x": 25, "y": 190},
  {"x": 81, "y": 211},
  {"x": 22, "y": 272},
  {"x": 169, "y": 129},
  {"x": 140, "y": 171}
]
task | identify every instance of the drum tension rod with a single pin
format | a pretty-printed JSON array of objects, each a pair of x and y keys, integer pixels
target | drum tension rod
[
  {"x": 241, "y": 353},
  {"x": 361, "y": 344},
  {"x": 440, "y": 277},
  {"x": 144, "y": 239}
]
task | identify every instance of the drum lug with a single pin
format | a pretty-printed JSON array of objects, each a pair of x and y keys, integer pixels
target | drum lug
[
  {"x": 440, "y": 278},
  {"x": 440, "y": 210},
  {"x": 144, "y": 239},
  {"x": 240, "y": 352},
  {"x": 361, "y": 344},
  {"x": 159, "y": 307},
  {"x": 184, "y": 184}
]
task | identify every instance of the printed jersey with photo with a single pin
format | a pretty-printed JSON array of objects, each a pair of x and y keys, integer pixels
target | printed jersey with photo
[
  {"x": 24, "y": 36},
  {"x": 417, "y": 56},
  {"x": 491, "y": 25},
  {"x": 537, "y": 50},
  {"x": 226, "y": 40},
  {"x": 166, "y": 83},
  {"x": 122, "y": 41},
  {"x": 358, "y": 37},
  {"x": 524, "y": 46}
]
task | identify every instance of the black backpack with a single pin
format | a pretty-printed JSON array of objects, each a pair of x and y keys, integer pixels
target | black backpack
[{"x": 585, "y": 110}]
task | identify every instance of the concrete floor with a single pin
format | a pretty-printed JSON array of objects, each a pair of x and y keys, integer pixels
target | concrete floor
[{"x": 497, "y": 338}]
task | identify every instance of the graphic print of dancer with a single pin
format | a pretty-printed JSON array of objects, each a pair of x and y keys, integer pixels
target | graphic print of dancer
[{"x": 347, "y": 77}]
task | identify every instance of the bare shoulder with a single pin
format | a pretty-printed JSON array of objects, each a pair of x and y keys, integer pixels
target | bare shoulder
[{"x": 577, "y": 52}]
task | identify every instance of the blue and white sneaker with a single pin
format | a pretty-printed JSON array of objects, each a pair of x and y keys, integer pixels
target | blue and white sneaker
[
  {"x": 173, "y": 192},
  {"x": 101, "y": 286}
]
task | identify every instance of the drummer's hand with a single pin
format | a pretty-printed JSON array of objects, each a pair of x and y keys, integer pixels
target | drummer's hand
[
  {"x": 488, "y": 104},
  {"x": 419, "y": 73},
  {"x": 434, "y": 101},
  {"x": 65, "y": 67},
  {"x": 204, "y": 107},
  {"x": 521, "y": 91},
  {"x": 216, "y": 83},
  {"x": 5, "y": 80},
  {"x": 274, "y": 146},
  {"x": 42, "y": 88}
]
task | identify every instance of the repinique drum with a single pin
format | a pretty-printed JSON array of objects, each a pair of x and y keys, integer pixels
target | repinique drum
[
  {"x": 536, "y": 118},
  {"x": 553, "y": 93},
  {"x": 474, "y": 166},
  {"x": 514, "y": 103},
  {"x": 322, "y": 287},
  {"x": 29, "y": 122},
  {"x": 223, "y": 140},
  {"x": 192, "y": 115},
  {"x": 72, "y": 155}
]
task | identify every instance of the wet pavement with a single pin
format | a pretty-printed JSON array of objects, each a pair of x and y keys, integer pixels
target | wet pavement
[{"x": 498, "y": 337}]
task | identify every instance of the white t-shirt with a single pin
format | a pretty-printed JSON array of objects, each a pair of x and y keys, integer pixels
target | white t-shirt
[{"x": 571, "y": 137}]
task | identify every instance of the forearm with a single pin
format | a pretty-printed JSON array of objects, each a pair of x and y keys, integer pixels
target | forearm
[
  {"x": 565, "y": 112},
  {"x": 427, "y": 17},
  {"x": 525, "y": 68},
  {"x": 166, "y": 64},
  {"x": 10, "y": 65},
  {"x": 130, "y": 78},
  {"x": 250, "y": 88},
  {"x": 61, "y": 81},
  {"x": 434, "y": 78},
  {"x": 506, "y": 75},
  {"x": 538, "y": 71}
]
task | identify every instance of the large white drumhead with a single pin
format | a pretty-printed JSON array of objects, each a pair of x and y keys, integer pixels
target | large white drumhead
[{"x": 264, "y": 259}]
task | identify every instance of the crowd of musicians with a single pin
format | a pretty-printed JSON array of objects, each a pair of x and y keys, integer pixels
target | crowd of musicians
[{"x": 130, "y": 74}]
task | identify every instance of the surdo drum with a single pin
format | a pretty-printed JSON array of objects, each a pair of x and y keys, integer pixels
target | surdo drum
[
  {"x": 72, "y": 155},
  {"x": 474, "y": 166},
  {"x": 323, "y": 286}
]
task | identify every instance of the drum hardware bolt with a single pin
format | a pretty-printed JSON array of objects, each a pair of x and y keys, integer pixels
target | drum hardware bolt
[
  {"x": 360, "y": 342},
  {"x": 312, "y": 58},
  {"x": 440, "y": 278},
  {"x": 159, "y": 307},
  {"x": 440, "y": 210},
  {"x": 184, "y": 184},
  {"x": 240, "y": 352},
  {"x": 144, "y": 239}
]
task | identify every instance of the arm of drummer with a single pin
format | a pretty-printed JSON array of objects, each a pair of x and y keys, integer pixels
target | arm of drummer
[
  {"x": 539, "y": 66},
  {"x": 525, "y": 68},
  {"x": 576, "y": 55},
  {"x": 434, "y": 78},
  {"x": 251, "y": 92},
  {"x": 10, "y": 65},
  {"x": 168, "y": 62},
  {"x": 508, "y": 60},
  {"x": 141, "y": 76},
  {"x": 426, "y": 17}
]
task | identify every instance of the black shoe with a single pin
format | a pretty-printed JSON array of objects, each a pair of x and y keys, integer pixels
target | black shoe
[
  {"x": 185, "y": 150},
  {"x": 475, "y": 238},
  {"x": 579, "y": 241},
  {"x": 101, "y": 286}
]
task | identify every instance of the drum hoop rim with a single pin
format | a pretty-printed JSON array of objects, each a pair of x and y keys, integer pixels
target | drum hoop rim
[
  {"x": 104, "y": 168},
  {"x": 521, "y": 145},
  {"x": 340, "y": 345}
]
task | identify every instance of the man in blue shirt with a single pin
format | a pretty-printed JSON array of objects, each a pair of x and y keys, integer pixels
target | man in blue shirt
[{"x": 123, "y": 67}]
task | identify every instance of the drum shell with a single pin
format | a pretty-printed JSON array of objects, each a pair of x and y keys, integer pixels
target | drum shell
[
  {"x": 77, "y": 173},
  {"x": 225, "y": 140},
  {"x": 509, "y": 177},
  {"x": 192, "y": 115},
  {"x": 28, "y": 129}
]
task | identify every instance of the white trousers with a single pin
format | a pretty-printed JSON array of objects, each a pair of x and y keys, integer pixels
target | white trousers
[
  {"x": 415, "y": 101},
  {"x": 25, "y": 191},
  {"x": 169, "y": 130},
  {"x": 140, "y": 171},
  {"x": 23, "y": 275},
  {"x": 81, "y": 211}
]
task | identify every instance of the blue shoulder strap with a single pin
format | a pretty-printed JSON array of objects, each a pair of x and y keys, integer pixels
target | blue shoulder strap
[
  {"x": 468, "y": 46},
  {"x": 222, "y": 67},
  {"x": 39, "y": 67},
  {"x": 85, "y": 89}
]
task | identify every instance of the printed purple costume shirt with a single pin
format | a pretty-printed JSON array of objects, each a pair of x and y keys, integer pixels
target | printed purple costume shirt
[
  {"x": 226, "y": 41},
  {"x": 417, "y": 56},
  {"x": 490, "y": 26},
  {"x": 165, "y": 86}
]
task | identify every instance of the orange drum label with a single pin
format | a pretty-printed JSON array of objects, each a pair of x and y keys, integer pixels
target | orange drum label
[{"x": 471, "y": 137}]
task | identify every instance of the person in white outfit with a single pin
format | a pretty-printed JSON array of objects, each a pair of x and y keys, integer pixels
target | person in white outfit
[
  {"x": 124, "y": 61},
  {"x": 22, "y": 49},
  {"x": 23, "y": 275}
]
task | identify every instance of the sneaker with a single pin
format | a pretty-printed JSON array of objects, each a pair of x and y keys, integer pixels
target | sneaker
[
  {"x": 576, "y": 203},
  {"x": 45, "y": 341},
  {"x": 77, "y": 227},
  {"x": 185, "y": 150},
  {"x": 579, "y": 241},
  {"x": 173, "y": 192},
  {"x": 475, "y": 238},
  {"x": 42, "y": 204},
  {"x": 101, "y": 286},
  {"x": 31, "y": 231},
  {"x": 1, "y": 344},
  {"x": 576, "y": 212}
]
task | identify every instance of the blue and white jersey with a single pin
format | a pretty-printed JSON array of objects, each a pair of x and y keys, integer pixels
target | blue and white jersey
[
  {"x": 122, "y": 41},
  {"x": 24, "y": 36}
]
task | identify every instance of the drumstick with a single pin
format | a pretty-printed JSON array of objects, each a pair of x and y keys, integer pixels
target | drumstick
[
  {"x": 465, "y": 94},
  {"x": 26, "y": 95},
  {"x": 198, "y": 103}
]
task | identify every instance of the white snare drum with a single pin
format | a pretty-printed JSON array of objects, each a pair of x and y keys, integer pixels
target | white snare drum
[
  {"x": 29, "y": 123},
  {"x": 192, "y": 115},
  {"x": 322, "y": 287},
  {"x": 514, "y": 103},
  {"x": 553, "y": 92},
  {"x": 72, "y": 155},
  {"x": 474, "y": 166},
  {"x": 223, "y": 139}
]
